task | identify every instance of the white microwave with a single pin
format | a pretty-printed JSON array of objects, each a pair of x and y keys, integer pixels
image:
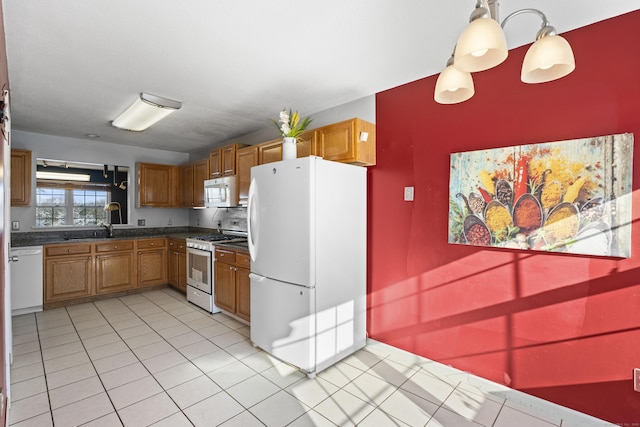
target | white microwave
[{"x": 220, "y": 192}]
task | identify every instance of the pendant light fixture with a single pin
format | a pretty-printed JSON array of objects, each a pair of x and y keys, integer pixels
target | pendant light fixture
[
  {"x": 145, "y": 111},
  {"x": 453, "y": 86},
  {"x": 482, "y": 45}
]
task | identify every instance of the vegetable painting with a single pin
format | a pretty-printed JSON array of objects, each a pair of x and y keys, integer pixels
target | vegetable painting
[{"x": 551, "y": 197}]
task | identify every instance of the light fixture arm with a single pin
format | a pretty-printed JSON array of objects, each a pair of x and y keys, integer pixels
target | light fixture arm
[{"x": 545, "y": 30}]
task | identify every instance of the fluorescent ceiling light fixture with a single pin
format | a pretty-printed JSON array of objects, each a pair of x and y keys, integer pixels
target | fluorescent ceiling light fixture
[
  {"x": 482, "y": 45},
  {"x": 145, "y": 111},
  {"x": 61, "y": 176}
]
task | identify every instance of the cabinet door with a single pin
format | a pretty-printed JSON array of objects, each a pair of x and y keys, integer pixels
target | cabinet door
[
  {"x": 157, "y": 185},
  {"x": 335, "y": 142},
  {"x": 307, "y": 144},
  {"x": 229, "y": 160},
  {"x": 115, "y": 272},
  {"x": 346, "y": 142},
  {"x": 20, "y": 177},
  {"x": 182, "y": 272},
  {"x": 215, "y": 163},
  {"x": 246, "y": 159},
  {"x": 67, "y": 277},
  {"x": 186, "y": 185},
  {"x": 270, "y": 151},
  {"x": 200, "y": 174},
  {"x": 224, "y": 288},
  {"x": 172, "y": 270},
  {"x": 152, "y": 267},
  {"x": 243, "y": 297}
]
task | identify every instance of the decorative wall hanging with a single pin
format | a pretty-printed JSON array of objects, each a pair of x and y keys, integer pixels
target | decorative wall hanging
[{"x": 568, "y": 196}]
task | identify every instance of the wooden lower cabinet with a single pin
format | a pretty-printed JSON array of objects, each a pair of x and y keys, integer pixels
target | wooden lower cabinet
[
  {"x": 243, "y": 286},
  {"x": 152, "y": 261},
  {"x": 231, "y": 282},
  {"x": 80, "y": 270},
  {"x": 68, "y": 277},
  {"x": 224, "y": 279},
  {"x": 177, "y": 269},
  {"x": 115, "y": 266}
]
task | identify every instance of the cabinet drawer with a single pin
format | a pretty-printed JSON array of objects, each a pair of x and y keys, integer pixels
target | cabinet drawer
[
  {"x": 243, "y": 259},
  {"x": 178, "y": 245},
  {"x": 71, "y": 249},
  {"x": 151, "y": 243},
  {"x": 225, "y": 255},
  {"x": 123, "y": 245}
]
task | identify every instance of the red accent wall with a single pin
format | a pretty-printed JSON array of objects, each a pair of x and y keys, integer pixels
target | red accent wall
[{"x": 560, "y": 327}]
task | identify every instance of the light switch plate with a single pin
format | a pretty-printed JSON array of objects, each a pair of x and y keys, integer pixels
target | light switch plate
[
  {"x": 408, "y": 194},
  {"x": 15, "y": 225}
]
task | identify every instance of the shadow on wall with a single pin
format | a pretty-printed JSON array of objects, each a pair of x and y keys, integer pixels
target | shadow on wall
[{"x": 496, "y": 311}]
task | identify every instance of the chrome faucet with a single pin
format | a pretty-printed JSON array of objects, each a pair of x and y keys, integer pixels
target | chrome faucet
[{"x": 109, "y": 228}]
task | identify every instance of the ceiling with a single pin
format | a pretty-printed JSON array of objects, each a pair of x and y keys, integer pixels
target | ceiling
[{"x": 74, "y": 65}]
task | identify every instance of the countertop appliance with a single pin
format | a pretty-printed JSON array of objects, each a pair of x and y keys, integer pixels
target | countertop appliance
[
  {"x": 26, "y": 279},
  {"x": 200, "y": 259},
  {"x": 220, "y": 192},
  {"x": 307, "y": 240}
]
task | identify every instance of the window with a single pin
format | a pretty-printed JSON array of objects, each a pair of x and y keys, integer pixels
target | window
[{"x": 70, "y": 206}]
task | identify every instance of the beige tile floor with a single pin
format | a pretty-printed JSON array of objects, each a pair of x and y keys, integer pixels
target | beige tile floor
[{"x": 154, "y": 359}]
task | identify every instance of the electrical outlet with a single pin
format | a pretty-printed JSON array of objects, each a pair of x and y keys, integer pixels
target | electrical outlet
[
  {"x": 15, "y": 225},
  {"x": 141, "y": 222},
  {"x": 408, "y": 194},
  {"x": 170, "y": 221},
  {"x": 636, "y": 379}
]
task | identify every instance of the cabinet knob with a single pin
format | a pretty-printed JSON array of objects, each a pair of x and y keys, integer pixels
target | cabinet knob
[
  {"x": 152, "y": 243},
  {"x": 69, "y": 250},
  {"x": 115, "y": 247}
]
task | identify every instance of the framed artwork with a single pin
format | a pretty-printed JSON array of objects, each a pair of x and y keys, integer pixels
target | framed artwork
[{"x": 568, "y": 196}]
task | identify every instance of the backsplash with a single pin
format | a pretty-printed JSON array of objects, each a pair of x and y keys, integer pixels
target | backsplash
[{"x": 230, "y": 219}]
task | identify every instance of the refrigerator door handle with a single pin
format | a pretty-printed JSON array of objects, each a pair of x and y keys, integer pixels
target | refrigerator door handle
[
  {"x": 256, "y": 277},
  {"x": 252, "y": 219}
]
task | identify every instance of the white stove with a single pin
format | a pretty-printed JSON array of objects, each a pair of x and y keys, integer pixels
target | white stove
[{"x": 200, "y": 277}]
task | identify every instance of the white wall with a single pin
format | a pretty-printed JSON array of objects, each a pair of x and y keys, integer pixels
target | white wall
[{"x": 94, "y": 151}]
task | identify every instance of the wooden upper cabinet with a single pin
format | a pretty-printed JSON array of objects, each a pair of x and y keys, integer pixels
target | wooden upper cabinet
[
  {"x": 186, "y": 185},
  {"x": 247, "y": 158},
  {"x": 229, "y": 153},
  {"x": 157, "y": 185},
  {"x": 215, "y": 163},
  {"x": 20, "y": 177},
  {"x": 200, "y": 174},
  {"x": 270, "y": 151},
  {"x": 351, "y": 141},
  {"x": 307, "y": 144}
]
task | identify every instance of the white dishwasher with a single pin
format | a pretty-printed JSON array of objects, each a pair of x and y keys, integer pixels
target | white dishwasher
[{"x": 26, "y": 279}]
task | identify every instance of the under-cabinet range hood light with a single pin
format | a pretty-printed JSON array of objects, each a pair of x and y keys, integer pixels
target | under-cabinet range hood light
[{"x": 145, "y": 111}]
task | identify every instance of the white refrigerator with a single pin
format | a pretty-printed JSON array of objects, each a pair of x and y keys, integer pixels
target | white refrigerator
[{"x": 307, "y": 239}]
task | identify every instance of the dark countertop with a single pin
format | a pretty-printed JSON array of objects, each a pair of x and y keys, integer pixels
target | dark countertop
[{"x": 100, "y": 235}]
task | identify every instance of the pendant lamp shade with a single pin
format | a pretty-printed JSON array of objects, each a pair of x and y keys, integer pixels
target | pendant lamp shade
[
  {"x": 482, "y": 45},
  {"x": 549, "y": 58},
  {"x": 453, "y": 86}
]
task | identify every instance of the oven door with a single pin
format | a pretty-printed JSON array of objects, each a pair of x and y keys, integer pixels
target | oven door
[{"x": 199, "y": 271}]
